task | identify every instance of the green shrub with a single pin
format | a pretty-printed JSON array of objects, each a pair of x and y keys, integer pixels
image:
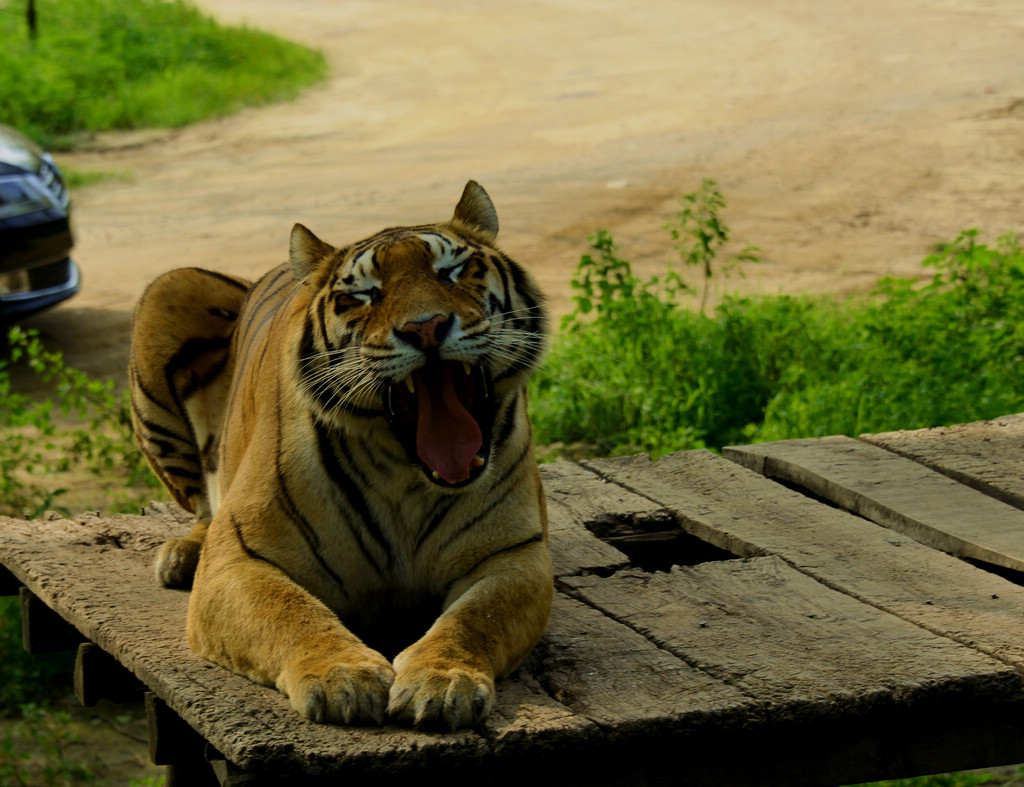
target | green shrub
[
  {"x": 637, "y": 369},
  {"x": 99, "y": 66},
  {"x": 947, "y": 351},
  {"x": 44, "y": 444}
]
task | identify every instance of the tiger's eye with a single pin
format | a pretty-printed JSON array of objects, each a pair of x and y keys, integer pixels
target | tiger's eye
[{"x": 360, "y": 297}]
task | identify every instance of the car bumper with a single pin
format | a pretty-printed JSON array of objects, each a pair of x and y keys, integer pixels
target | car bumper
[{"x": 50, "y": 284}]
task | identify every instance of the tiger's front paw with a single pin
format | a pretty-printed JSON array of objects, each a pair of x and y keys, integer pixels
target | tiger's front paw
[
  {"x": 440, "y": 696},
  {"x": 176, "y": 562},
  {"x": 353, "y": 691}
]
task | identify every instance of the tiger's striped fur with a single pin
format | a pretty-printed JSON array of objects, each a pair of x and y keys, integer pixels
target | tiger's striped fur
[{"x": 356, "y": 449}]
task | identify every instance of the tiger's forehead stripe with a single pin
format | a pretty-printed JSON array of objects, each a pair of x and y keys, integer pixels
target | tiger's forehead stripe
[
  {"x": 365, "y": 262},
  {"x": 358, "y": 269},
  {"x": 446, "y": 251}
]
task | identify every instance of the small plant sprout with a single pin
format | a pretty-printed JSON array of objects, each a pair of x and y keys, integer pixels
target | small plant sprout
[{"x": 700, "y": 233}]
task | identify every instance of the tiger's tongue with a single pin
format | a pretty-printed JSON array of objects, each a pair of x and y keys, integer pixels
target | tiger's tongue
[{"x": 447, "y": 436}]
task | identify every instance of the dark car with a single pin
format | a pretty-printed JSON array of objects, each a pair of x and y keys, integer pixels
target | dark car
[{"x": 36, "y": 270}]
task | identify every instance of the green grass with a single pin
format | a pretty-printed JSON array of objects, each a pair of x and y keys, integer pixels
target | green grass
[
  {"x": 77, "y": 179},
  {"x": 97, "y": 65}
]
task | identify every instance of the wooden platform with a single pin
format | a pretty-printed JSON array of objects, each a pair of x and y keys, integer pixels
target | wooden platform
[{"x": 806, "y": 612}]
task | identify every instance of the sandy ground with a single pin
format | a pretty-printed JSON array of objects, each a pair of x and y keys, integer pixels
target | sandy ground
[{"x": 848, "y": 139}]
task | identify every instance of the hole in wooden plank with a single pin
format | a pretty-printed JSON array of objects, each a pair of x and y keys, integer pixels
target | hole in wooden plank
[{"x": 655, "y": 542}]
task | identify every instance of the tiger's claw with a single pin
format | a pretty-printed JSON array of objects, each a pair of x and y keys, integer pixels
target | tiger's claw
[{"x": 449, "y": 699}]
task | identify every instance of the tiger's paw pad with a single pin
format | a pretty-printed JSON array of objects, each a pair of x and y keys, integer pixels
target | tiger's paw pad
[
  {"x": 176, "y": 562},
  {"x": 345, "y": 693},
  {"x": 441, "y": 699}
]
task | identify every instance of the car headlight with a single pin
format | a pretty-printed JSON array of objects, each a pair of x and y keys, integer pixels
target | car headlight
[
  {"x": 22, "y": 195},
  {"x": 51, "y": 177}
]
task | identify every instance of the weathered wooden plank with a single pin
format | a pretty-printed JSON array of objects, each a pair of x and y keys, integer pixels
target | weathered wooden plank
[
  {"x": 897, "y": 493},
  {"x": 598, "y": 697},
  {"x": 645, "y": 701},
  {"x": 986, "y": 455},
  {"x": 749, "y": 515},
  {"x": 775, "y": 633},
  {"x": 576, "y": 497},
  {"x": 112, "y": 597},
  {"x": 615, "y": 676},
  {"x": 106, "y": 586},
  {"x": 116, "y": 600},
  {"x": 851, "y": 693}
]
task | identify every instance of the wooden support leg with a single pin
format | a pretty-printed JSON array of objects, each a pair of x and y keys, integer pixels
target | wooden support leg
[
  {"x": 99, "y": 676},
  {"x": 172, "y": 742},
  {"x": 42, "y": 629},
  {"x": 10, "y": 585},
  {"x": 198, "y": 773}
]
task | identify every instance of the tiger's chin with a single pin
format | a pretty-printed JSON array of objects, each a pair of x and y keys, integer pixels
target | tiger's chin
[{"x": 443, "y": 415}]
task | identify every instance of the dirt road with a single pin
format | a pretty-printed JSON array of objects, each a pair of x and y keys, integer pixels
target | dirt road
[{"x": 848, "y": 138}]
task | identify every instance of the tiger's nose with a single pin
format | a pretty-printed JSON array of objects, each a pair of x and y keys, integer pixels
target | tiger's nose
[{"x": 426, "y": 333}]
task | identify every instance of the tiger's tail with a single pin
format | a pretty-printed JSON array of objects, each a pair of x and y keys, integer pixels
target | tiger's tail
[{"x": 179, "y": 373}]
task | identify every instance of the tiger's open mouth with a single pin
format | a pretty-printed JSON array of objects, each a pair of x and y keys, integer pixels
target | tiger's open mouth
[{"x": 442, "y": 415}]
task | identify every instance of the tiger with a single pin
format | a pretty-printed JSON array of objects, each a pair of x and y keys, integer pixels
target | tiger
[{"x": 351, "y": 435}]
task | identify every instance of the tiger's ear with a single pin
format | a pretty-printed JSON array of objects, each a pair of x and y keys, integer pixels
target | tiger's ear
[
  {"x": 307, "y": 252},
  {"x": 476, "y": 210}
]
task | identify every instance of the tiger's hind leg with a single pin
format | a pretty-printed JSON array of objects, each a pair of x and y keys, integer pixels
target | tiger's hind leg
[{"x": 179, "y": 374}]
